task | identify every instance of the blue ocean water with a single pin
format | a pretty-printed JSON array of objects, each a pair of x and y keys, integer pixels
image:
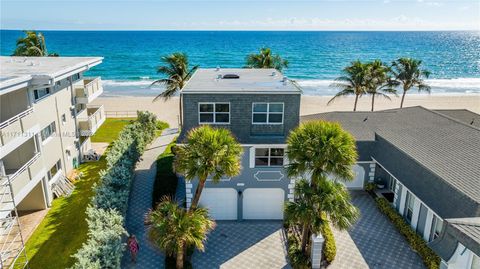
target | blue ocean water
[{"x": 316, "y": 58}]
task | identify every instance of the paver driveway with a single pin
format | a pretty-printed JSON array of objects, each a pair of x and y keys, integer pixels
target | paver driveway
[
  {"x": 247, "y": 244},
  {"x": 373, "y": 242}
]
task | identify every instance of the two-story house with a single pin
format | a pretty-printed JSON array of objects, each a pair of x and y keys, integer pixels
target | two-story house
[{"x": 260, "y": 107}]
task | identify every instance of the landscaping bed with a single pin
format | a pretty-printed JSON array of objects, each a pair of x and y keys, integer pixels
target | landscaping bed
[
  {"x": 430, "y": 259},
  {"x": 165, "y": 180}
]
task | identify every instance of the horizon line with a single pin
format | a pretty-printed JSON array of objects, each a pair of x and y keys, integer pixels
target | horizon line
[{"x": 252, "y": 30}]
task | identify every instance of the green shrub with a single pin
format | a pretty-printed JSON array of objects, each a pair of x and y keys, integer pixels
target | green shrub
[
  {"x": 430, "y": 259},
  {"x": 106, "y": 213},
  {"x": 329, "y": 248},
  {"x": 166, "y": 180},
  {"x": 161, "y": 125},
  {"x": 370, "y": 186},
  {"x": 295, "y": 255}
]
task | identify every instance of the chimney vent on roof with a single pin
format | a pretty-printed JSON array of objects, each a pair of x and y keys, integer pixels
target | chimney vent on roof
[
  {"x": 219, "y": 76},
  {"x": 285, "y": 80},
  {"x": 274, "y": 74},
  {"x": 218, "y": 68}
]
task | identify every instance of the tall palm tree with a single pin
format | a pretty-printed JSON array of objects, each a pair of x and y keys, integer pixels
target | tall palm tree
[
  {"x": 408, "y": 73},
  {"x": 32, "y": 44},
  {"x": 265, "y": 59},
  {"x": 352, "y": 82},
  {"x": 208, "y": 152},
  {"x": 177, "y": 72},
  {"x": 316, "y": 205},
  {"x": 172, "y": 227},
  {"x": 379, "y": 81},
  {"x": 318, "y": 148}
]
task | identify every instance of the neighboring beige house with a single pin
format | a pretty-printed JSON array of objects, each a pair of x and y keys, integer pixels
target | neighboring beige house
[{"x": 45, "y": 127}]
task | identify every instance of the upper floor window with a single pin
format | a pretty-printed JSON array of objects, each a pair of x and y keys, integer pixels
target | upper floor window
[
  {"x": 267, "y": 113},
  {"x": 409, "y": 203},
  {"x": 436, "y": 228},
  {"x": 217, "y": 113},
  {"x": 269, "y": 156},
  {"x": 75, "y": 77},
  {"x": 48, "y": 131},
  {"x": 40, "y": 93},
  {"x": 54, "y": 170}
]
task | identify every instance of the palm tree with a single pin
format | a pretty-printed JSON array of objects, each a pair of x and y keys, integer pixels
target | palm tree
[
  {"x": 265, "y": 59},
  {"x": 172, "y": 227},
  {"x": 314, "y": 206},
  {"x": 32, "y": 44},
  {"x": 352, "y": 82},
  {"x": 208, "y": 152},
  {"x": 177, "y": 72},
  {"x": 318, "y": 148},
  {"x": 408, "y": 73},
  {"x": 379, "y": 81}
]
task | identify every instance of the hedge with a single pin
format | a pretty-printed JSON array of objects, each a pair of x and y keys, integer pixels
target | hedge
[
  {"x": 165, "y": 180},
  {"x": 106, "y": 212},
  {"x": 329, "y": 248},
  {"x": 295, "y": 255},
  {"x": 430, "y": 259}
]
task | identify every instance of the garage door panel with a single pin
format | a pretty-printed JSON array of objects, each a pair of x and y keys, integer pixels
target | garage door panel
[
  {"x": 261, "y": 203},
  {"x": 221, "y": 203},
  {"x": 357, "y": 182}
]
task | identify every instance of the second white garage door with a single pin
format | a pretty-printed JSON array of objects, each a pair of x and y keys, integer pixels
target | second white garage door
[
  {"x": 357, "y": 182},
  {"x": 263, "y": 203},
  {"x": 221, "y": 203}
]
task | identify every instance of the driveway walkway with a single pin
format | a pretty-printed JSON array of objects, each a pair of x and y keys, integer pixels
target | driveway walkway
[
  {"x": 141, "y": 200},
  {"x": 373, "y": 242},
  {"x": 247, "y": 244}
]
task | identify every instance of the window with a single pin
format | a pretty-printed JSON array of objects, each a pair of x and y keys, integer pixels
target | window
[
  {"x": 410, "y": 201},
  {"x": 54, "y": 170},
  {"x": 269, "y": 156},
  {"x": 64, "y": 119},
  {"x": 69, "y": 154},
  {"x": 436, "y": 228},
  {"x": 75, "y": 77},
  {"x": 48, "y": 131},
  {"x": 267, "y": 113},
  {"x": 40, "y": 93},
  {"x": 58, "y": 84},
  {"x": 214, "y": 113},
  {"x": 392, "y": 184}
]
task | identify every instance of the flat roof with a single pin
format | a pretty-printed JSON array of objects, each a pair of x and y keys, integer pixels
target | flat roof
[
  {"x": 210, "y": 80},
  {"x": 15, "y": 70}
]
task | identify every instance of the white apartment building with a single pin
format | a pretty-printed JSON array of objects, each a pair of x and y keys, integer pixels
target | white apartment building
[{"x": 45, "y": 127}]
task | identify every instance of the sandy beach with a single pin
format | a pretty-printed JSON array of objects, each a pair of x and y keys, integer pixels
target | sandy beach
[{"x": 168, "y": 110}]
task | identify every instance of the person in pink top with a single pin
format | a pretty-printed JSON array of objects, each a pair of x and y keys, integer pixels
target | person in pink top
[{"x": 133, "y": 247}]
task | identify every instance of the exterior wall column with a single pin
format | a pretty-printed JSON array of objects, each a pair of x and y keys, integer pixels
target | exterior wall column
[
  {"x": 188, "y": 193},
  {"x": 403, "y": 197},
  {"x": 428, "y": 225},
  {"x": 291, "y": 191},
  {"x": 316, "y": 250},
  {"x": 371, "y": 173}
]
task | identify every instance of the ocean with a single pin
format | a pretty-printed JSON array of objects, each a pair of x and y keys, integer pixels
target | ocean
[{"x": 316, "y": 58}]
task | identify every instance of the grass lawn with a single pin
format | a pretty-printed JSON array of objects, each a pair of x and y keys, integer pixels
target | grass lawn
[
  {"x": 63, "y": 231},
  {"x": 109, "y": 130}
]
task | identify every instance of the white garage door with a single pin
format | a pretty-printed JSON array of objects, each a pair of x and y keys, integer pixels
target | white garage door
[
  {"x": 221, "y": 203},
  {"x": 358, "y": 181},
  {"x": 263, "y": 203}
]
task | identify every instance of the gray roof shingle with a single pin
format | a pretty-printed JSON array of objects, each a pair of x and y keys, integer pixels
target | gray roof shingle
[{"x": 445, "y": 146}]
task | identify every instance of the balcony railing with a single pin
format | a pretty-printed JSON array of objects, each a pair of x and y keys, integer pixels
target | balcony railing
[
  {"x": 91, "y": 89},
  {"x": 17, "y": 126},
  {"x": 21, "y": 177},
  {"x": 96, "y": 117}
]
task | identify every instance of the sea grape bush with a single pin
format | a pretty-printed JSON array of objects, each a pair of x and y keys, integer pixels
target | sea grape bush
[{"x": 106, "y": 212}]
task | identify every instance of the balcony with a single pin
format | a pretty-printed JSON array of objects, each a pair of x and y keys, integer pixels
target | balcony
[
  {"x": 94, "y": 119},
  {"x": 17, "y": 130},
  {"x": 88, "y": 91}
]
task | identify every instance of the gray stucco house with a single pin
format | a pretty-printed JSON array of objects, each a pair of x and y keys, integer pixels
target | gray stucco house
[
  {"x": 260, "y": 107},
  {"x": 429, "y": 163}
]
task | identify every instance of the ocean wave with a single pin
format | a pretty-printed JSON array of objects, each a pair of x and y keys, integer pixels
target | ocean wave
[{"x": 310, "y": 86}]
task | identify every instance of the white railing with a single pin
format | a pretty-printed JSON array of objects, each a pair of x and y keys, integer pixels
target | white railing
[
  {"x": 24, "y": 167},
  {"x": 16, "y": 118},
  {"x": 88, "y": 91},
  {"x": 88, "y": 126}
]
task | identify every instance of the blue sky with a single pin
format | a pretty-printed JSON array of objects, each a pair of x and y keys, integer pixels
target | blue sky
[{"x": 241, "y": 15}]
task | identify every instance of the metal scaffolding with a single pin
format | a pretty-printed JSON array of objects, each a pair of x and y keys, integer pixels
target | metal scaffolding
[{"x": 12, "y": 247}]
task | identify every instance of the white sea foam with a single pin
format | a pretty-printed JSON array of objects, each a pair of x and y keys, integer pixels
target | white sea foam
[{"x": 310, "y": 86}]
